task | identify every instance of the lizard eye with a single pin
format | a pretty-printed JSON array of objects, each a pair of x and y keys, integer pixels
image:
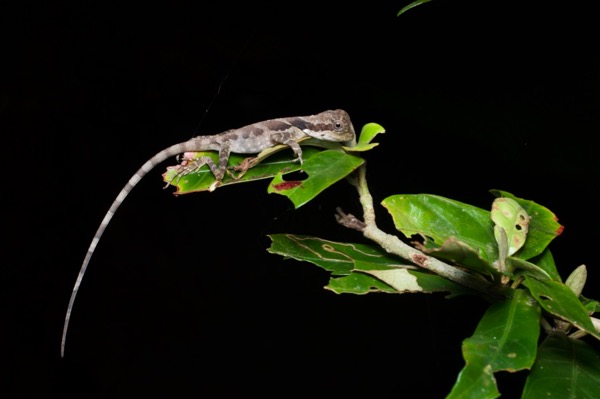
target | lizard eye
[{"x": 338, "y": 125}]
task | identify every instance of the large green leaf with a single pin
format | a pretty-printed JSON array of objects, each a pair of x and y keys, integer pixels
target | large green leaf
[
  {"x": 543, "y": 226},
  {"x": 560, "y": 301},
  {"x": 323, "y": 170},
  {"x": 336, "y": 257},
  {"x": 363, "y": 268},
  {"x": 441, "y": 219},
  {"x": 505, "y": 339},
  {"x": 203, "y": 179},
  {"x": 564, "y": 369}
]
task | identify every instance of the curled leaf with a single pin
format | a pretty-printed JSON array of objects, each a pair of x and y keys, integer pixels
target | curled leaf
[{"x": 511, "y": 217}]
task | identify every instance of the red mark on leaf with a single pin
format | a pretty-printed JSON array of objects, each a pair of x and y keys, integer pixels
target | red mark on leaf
[
  {"x": 560, "y": 230},
  {"x": 286, "y": 185}
]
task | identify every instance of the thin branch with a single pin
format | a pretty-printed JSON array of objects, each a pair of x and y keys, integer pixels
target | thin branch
[{"x": 392, "y": 244}]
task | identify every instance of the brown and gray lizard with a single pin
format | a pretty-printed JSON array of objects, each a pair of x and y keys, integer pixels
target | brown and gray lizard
[{"x": 333, "y": 126}]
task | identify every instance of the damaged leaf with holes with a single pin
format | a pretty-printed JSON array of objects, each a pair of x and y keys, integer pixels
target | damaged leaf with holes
[
  {"x": 322, "y": 170},
  {"x": 511, "y": 222},
  {"x": 543, "y": 226},
  {"x": 466, "y": 235},
  {"x": 359, "y": 268},
  {"x": 203, "y": 179},
  {"x": 327, "y": 168},
  {"x": 560, "y": 301}
]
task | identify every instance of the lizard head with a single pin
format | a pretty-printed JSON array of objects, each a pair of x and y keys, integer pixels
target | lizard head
[{"x": 332, "y": 125}]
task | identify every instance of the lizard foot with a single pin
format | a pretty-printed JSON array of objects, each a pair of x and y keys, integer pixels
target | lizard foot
[
  {"x": 186, "y": 167},
  {"x": 242, "y": 167}
]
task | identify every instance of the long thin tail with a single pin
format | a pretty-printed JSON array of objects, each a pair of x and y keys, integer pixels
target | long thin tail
[{"x": 143, "y": 171}]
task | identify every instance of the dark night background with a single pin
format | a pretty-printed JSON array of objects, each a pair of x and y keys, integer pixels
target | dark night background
[{"x": 181, "y": 297}]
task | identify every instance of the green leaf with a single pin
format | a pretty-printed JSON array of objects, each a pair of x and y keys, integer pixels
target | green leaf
[
  {"x": 323, "y": 169},
  {"x": 505, "y": 339},
  {"x": 336, "y": 257},
  {"x": 203, "y": 179},
  {"x": 523, "y": 267},
  {"x": 397, "y": 281},
  {"x": 564, "y": 369},
  {"x": 442, "y": 219},
  {"x": 358, "y": 283},
  {"x": 545, "y": 261},
  {"x": 512, "y": 218},
  {"x": 460, "y": 253},
  {"x": 591, "y": 305},
  {"x": 407, "y": 280},
  {"x": 543, "y": 226},
  {"x": 475, "y": 381},
  {"x": 412, "y": 5},
  {"x": 364, "y": 268},
  {"x": 560, "y": 301},
  {"x": 368, "y": 133}
]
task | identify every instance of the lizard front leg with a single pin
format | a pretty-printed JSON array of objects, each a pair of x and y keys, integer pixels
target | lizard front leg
[{"x": 287, "y": 139}]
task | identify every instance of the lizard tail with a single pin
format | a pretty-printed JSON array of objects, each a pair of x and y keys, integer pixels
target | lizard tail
[{"x": 143, "y": 171}]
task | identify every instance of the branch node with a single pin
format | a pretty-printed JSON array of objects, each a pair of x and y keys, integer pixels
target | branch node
[{"x": 349, "y": 220}]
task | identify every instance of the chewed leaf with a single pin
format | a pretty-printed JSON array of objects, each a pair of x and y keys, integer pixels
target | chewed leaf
[
  {"x": 360, "y": 269},
  {"x": 323, "y": 170},
  {"x": 278, "y": 160},
  {"x": 512, "y": 218},
  {"x": 203, "y": 179},
  {"x": 404, "y": 280},
  {"x": 559, "y": 300},
  {"x": 358, "y": 283},
  {"x": 543, "y": 226},
  {"x": 336, "y": 257},
  {"x": 398, "y": 281}
]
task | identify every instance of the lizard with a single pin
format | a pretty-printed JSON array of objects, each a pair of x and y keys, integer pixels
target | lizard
[{"x": 331, "y": 126}]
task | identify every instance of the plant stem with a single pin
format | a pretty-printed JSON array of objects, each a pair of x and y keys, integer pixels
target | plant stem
[{"x": 392, "y": 244}]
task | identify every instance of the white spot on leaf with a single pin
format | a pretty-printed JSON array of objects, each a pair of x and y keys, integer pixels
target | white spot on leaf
[{"x": 399, "y": 279}]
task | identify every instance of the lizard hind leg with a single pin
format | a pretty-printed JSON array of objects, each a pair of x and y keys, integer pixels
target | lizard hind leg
[{"x": 194, "y": 165}]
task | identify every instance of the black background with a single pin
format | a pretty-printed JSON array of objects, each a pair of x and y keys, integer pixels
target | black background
[{"x": 181, "y": 298}]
